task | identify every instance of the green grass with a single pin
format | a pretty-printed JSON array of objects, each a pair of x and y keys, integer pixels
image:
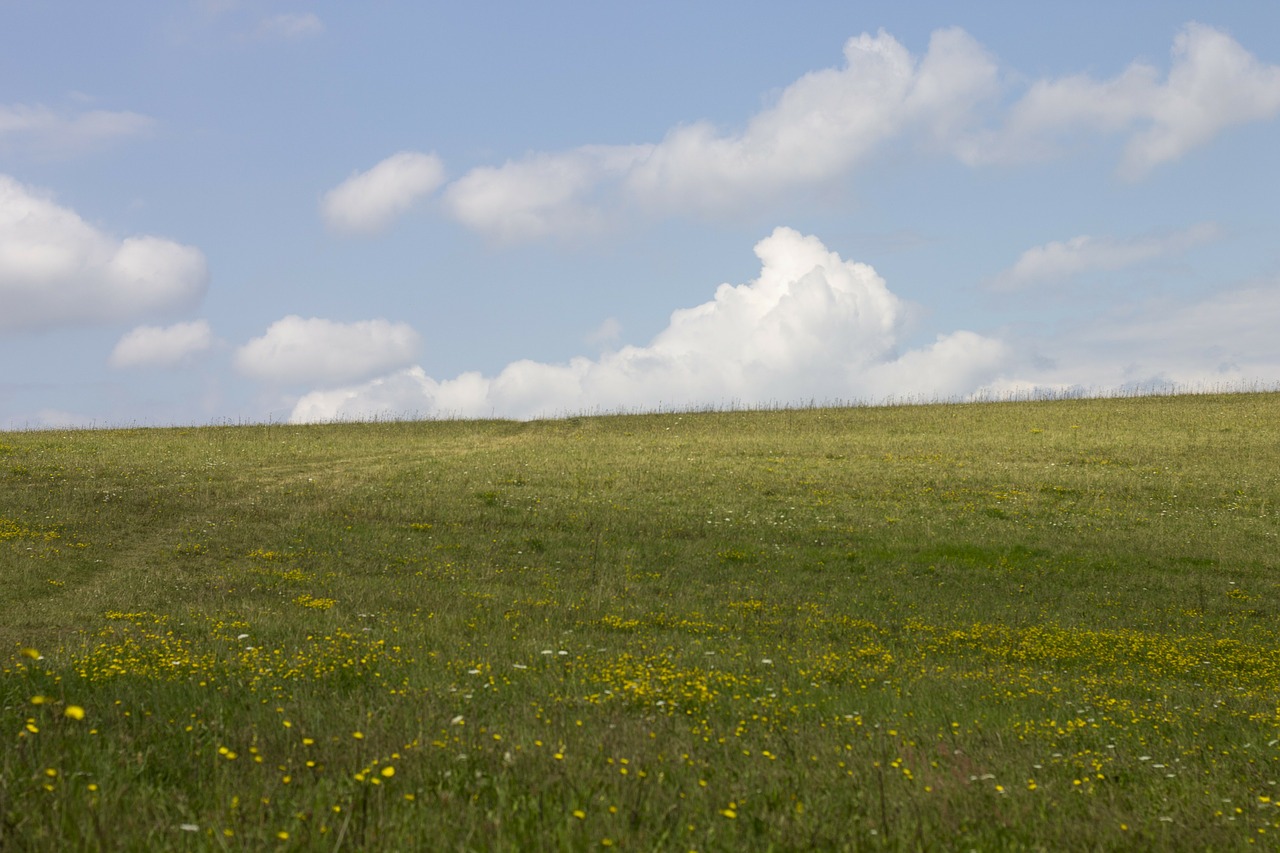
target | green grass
[{"x": 1016, "y": 626}]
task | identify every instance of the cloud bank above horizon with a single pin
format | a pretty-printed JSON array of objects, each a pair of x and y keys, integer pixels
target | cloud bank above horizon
[
  {"x": 814, "y": 327},
  {"x": 810, "y": 326}
]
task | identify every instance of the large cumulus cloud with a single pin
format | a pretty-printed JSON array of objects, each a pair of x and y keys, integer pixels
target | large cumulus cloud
[{"x": 811, "y": 326}]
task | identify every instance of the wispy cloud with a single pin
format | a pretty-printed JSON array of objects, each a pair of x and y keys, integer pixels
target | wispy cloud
[
  {"x": 245, "y": 22},
  {"x": 40, "y": 131},
  {"x": 1060, "y": 261},
  {"x": 606, "y": 334},
  {"x": 811, "y": 326},
  {"x": 290, "y": 26},
  {"x": 58, "y": 270}
]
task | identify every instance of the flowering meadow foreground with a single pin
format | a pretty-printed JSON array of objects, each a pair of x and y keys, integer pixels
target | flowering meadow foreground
[{"x": 1014, "y": 626}]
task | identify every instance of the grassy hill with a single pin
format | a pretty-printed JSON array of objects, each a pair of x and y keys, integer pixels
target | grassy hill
[{"x": 1048, "y": 625}]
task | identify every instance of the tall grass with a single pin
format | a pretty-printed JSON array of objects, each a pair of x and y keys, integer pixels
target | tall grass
[{"x": 1042, "y": 625}]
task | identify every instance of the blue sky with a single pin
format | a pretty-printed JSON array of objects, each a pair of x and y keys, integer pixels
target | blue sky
[{"x": 247, "y": 211}]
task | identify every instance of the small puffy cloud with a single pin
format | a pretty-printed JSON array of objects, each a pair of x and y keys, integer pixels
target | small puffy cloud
[
  {"x": 1062, "y": 260},
  {"x": 58, "y": 270},
  {"x": 811, "y": 326},
  {"x": 323, "y": 352},
  {"x": 290, "y": 26},
  {"x": 1213, "y": 84},
  {"x": 40, "y": 131},
  {"x": 368, "y": 201},
  {"x": 161, "y": 346}
]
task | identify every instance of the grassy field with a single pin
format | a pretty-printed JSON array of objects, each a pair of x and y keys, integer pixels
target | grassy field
[{"x": 1017, "y": 626}]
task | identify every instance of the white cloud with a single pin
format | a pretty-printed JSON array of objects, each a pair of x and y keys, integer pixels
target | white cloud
[
  {"x": 368, "y": 201},
  {"x": 542, "y": 194},
  {"x": 290, "y": 26},
  {"x": 819, "y": 128},
  {"x": 822, "y": 125},
  {"x": 57, "y": 270},
  {"x": 830, "y": 122},
  {"x": 1061, "y": 260},
  {"x": 41, "y": 131},
  {"x": 811, "y": 326},
  {"x": 1213, "y": 84},
  {"x": 161, "y": 346},
  {"x": 1223, "y": 341},
  {"x": 323, "y": 352},
  {"x": 604, "y": 335}
]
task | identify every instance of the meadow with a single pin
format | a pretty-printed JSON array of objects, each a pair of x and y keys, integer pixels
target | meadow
[{"x": 1003, "y": 626}]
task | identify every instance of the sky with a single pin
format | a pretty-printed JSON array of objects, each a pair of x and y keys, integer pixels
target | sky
[{"x": 232, "y": 211}]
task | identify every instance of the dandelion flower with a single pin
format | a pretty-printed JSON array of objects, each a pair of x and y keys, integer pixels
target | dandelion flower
[
  {"x": 388, "y": 771},
  {"x": 75, "y": 712},
  {"x": 579, "y": 814},
  {"x": 31, "y": 653},
  {"x": 38, "y": 700}
]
